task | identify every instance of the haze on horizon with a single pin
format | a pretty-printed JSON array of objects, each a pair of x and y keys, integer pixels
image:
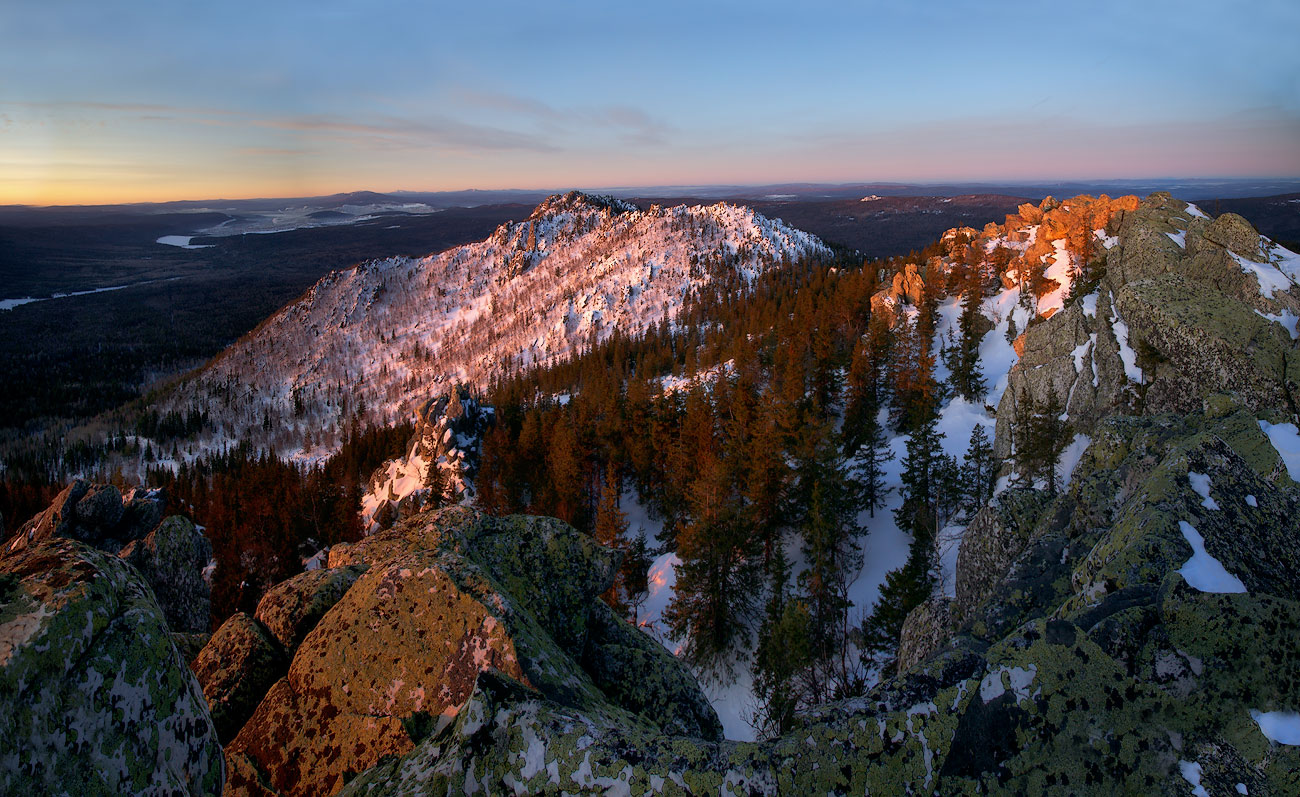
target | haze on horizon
[{"x": 151, "y": 101}]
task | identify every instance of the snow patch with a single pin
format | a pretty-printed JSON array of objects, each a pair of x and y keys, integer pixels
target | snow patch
[
  {"x": 1250, "y": 501},
  {"x": 1191, "y": 772},
  {"x": 1201, "y": 484},
  {"x": 1282, "y": 727},
  {"x": 1288, "y": 319},
  {"x": 1195, "y": 212},
  {"x": 1126, "y": 353},
  {"x": 1271, "y": 277},
  {"x": 1286, "y": 442},
  {"x": 1203, "y": 571},
  {"x": 1070, "y": 457},
  {"x": 1017, "y": 681}
]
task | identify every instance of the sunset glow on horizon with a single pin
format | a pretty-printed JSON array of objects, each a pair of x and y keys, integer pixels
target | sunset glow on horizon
[{"x": 154, "y": 102}]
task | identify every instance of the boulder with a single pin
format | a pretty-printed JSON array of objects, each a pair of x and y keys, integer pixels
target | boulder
[
  {"x": 172, "y": 558},
  {"x": 1234, "y": 233},
  {"x": 95, "y": 697},
  {"x": 993, "y": 539},
  {"x": 98, "y": 512},
  {"x": 448, "y": 595},
  {"x": 926, "y": 629},
  {"x": 291, "y": 609},
  {"x": 405, "y": 643},
  {"x": 143, "y": 510},
  {"x": 56, "y": 521},
  {"x": 236, "y": 668}
]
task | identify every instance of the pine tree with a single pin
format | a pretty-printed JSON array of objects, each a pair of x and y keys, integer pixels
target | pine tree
[
  {"x": 904, "y": 589},
  {"x": 635, "y": 573},
  {"x": 830, "y": 547},
  {"x": 717, "y": 579},
  {"x": 979, "y": 471}
]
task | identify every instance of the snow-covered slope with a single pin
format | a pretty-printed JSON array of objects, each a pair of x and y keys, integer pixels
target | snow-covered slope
[{"x": 383, "y": 336}]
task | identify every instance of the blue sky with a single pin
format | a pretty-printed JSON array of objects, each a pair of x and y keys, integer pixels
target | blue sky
[{"x": 139, "y": 100}]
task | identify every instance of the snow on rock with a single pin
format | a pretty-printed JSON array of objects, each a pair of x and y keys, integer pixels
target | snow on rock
[
  {"x": 1286, "y": 441},
  {"x": 1061, "y": 270},
  {"x": 1250, "y": 501},
  {"x": 1201, "y": 484},
  {"x": 1203, "y": 571},
  {"x": 1070, "y": 457},
  {"x": 1195, "y": 212},
  {"x": 1191, "y": 772},
  {"x": 1287, "y": 318},
  {"x": 1016, "y": 680},
  {"x": 1126, "y": 353},
  {"x": 1282, "y": 727}
]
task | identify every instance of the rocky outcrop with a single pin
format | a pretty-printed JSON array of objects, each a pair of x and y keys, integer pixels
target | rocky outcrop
[
  {"x": 444, "y": 597},
  {"x": 441, "y": 460},
  {"x": 170, "y": 554},
  {"x": 172, "y": 558},
  {"x": 926, "y": 629},
  {"x": 236, "y": 668},
  {"x": 95, "y": 697},
  {"x": 993, "y": 540},
  {"x": 1179, "y": 314},
  {"x": 291, "y": 609}
]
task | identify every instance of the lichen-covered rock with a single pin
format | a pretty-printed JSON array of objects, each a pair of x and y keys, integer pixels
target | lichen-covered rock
[
  {"x": 95, "y": 697},
  {"x": 993, "y": 539},
  {"x": 443, "y": 597},
  {"x": 172, "y": 558},
  {"x": 236, "y": 668},
  {"x": 403, "y": 646},
  {"x": 291, "y": 609},
  {"x": 637, "y": 673},
  {"x": 925, "y": 630},
  {"x": 1235, "y": 234}
]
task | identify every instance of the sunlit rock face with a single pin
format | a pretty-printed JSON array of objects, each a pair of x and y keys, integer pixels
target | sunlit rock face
[{"x": 431, "y": 604}]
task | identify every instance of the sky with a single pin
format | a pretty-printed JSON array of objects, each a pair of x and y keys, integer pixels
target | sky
[{"x": 150, "y": 101}]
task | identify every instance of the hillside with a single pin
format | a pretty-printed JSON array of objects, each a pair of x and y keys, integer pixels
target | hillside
[{"x": 377, "y": 340}]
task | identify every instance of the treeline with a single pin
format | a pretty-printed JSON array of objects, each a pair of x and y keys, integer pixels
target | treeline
[{"x": 263, "y": 514}]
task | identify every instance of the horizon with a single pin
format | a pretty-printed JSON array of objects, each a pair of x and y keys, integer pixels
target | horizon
[
  {"x": 149, "y": 103},
  {"x": 644, "y": 191}
]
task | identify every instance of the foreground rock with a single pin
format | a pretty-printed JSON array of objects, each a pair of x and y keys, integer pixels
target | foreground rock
[
  {"x": 444, "y": 597},
  {"x": 95, "y": 697},
  {"x": 171, "y": 554},
  {"x": 235, "y": 669}
]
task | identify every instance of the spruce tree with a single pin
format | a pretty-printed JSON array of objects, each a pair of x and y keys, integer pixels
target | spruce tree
[
  {"x": 967, "y": 378},
  {"x": 783, "y": 654},
  {"x": 979, "y": 471}
]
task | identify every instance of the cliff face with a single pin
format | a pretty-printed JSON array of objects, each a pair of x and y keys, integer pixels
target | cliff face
[{"x": 1183, "y": 308}]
